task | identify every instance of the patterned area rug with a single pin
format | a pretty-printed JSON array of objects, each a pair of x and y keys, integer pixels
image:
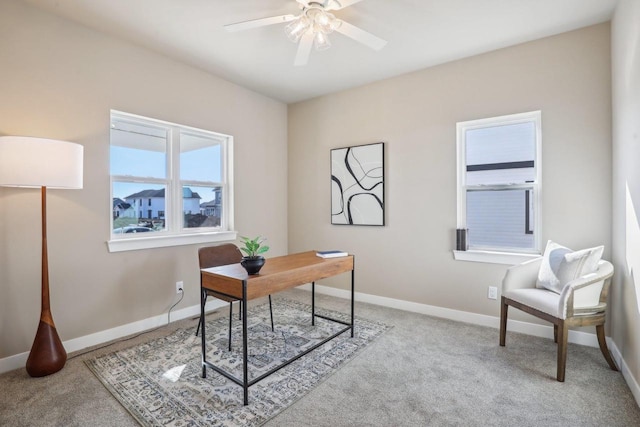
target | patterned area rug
[{"x": 160, "y": 382}]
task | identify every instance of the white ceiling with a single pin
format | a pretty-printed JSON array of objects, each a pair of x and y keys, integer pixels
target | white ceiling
[{"x": 420, "y": 33}]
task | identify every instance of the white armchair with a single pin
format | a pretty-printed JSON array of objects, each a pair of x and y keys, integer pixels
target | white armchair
[{"x": 582, "y": 302}]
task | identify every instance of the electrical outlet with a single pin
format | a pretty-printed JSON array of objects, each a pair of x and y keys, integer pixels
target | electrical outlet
[
  {"x": 493, "y": 292},
  {"x": 179, "y": 287}
]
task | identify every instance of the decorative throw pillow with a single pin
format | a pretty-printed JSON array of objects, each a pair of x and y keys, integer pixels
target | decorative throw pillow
[{"x": 560, "y": 265}]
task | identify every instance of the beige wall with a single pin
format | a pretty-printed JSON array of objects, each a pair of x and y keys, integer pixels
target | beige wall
[
  {"x": 59, "y": 80},
  {"x": 625, "y": 292},
  {"x": 566, "y": 76}
]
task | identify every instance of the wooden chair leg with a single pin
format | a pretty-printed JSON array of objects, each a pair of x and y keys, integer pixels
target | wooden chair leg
[
  {"x": 602, "y": 341},
  {"x": 555, "y": 334},
  {"x": 503, "y": 321},
  {"x": 563, "y": 335}
]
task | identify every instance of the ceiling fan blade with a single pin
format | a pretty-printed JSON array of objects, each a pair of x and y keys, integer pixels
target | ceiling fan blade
[
  {"x": 340, "y": 4},
  {"x": 304, "y": 49},
  {"x": 255, "y": 23},
  {"x": 360, "y": 35}
]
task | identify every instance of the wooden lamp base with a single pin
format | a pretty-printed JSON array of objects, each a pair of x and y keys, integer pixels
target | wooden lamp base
[{"x": 47, "y": 354}]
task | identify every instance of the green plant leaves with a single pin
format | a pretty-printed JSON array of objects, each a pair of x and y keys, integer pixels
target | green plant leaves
[{"x": 253, "y": 247}]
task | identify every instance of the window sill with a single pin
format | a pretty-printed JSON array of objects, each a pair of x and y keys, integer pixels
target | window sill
[
  {"x": 510, "y": 258},
  {"x": 137, "y": 243}
]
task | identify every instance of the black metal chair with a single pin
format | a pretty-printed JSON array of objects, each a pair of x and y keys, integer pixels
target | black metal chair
[{"x": 215, "y": 256}]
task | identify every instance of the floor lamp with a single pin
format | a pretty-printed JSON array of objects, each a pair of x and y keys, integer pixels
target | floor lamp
[{"x": 42, "y": 163}]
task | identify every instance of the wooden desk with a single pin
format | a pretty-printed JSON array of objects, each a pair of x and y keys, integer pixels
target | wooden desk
[{"x": 278, "y": 274}]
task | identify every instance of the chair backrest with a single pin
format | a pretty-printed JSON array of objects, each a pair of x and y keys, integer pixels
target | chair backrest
[{"x": 214, "y": 256}]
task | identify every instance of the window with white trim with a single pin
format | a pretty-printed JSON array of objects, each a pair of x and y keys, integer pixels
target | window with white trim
[
  {"x": 170, "y": 181},
  {"x": 499, "y": 182}
]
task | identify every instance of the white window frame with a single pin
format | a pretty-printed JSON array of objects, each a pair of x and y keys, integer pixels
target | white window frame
[
  {"x": 175, "y": 234},
  {"x": 499, "y": 255}
]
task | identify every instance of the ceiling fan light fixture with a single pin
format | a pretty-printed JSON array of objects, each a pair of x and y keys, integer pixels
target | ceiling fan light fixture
[
  {"x": 321, "y": 20},
  {"x": 296, "y": 28},
  {"x": 321, "y": 41}
]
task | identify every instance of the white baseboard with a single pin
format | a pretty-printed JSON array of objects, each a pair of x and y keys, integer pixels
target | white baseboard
[
  {"x": 19, "y": 360},
  {"x": 544, "y": 331},
  {"x": 624, "y": 369},
  {"x": 583, "y": 338}
]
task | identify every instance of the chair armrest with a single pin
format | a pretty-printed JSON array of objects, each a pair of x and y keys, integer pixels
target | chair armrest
[
  {"x": 604, "y": 271},
  {"x": 585, "y": 293},
  {"x": 521, "y": 276}
]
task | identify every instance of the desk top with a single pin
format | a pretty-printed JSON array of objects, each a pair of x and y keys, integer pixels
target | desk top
[{"x": 277, "y": 274}]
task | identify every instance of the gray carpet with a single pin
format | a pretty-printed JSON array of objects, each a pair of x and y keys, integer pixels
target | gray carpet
[{"x": 423, "y": 371}]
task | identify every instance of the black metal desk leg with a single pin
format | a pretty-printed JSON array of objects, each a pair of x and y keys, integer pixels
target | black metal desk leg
[
  {"x": 203, "y": 300},
  {"x": 313, "y": 303},
  {"x": 271, "y": 313},
  {"x": 245, "y": 352},
  {"x": 352, "y": 295},
  {"x": 230, "y": 322}
]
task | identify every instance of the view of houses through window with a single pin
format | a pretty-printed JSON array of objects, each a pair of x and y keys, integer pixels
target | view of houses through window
[
  {"x": 166, "y": 177},
  {"x": 198, "y": 213}
]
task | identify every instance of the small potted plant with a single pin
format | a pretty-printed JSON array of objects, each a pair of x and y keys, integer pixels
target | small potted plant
[{"x": 253, "y": 261}]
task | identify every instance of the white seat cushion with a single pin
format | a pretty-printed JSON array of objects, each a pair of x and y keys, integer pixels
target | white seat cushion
[
  {"x": 540, "y": 299},
  {"x": 560, "y": 265}
]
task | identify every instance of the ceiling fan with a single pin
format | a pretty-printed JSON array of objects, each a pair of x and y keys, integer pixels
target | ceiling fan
[{"x": 312, "y": 26}]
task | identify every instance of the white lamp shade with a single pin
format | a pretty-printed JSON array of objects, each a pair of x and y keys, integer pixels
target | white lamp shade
[{"x": 39, "y": 162}]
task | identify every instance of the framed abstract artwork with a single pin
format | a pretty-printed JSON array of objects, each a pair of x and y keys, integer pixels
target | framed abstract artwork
[{"x": 357, "y": 185}]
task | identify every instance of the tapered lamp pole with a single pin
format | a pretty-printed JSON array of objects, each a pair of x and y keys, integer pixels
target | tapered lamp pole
[
  {"x": 47, "y": 354},
  {"x": 36, "y": 162}
]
